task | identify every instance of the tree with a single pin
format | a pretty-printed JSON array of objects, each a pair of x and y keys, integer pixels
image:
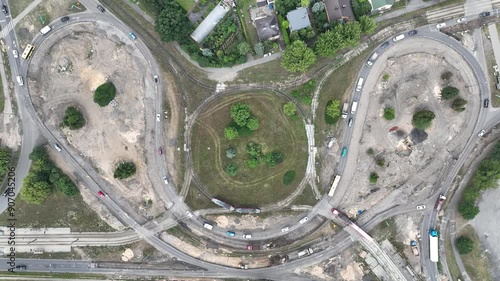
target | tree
[
  {"x": 289, "y": 177},
  {"x": 464, "y": 245},
  {"x": 449, "y": 92},
  {"x": 244, "y": 48},
  {"x": 284, "y": 6},
  {"x": 389, "y": 113},
  {"x": 361, "y": 8},
  {"x": 373, "y": 177},
  {"x": 330, "y": 42},
  {"x": 172, "y": 23},
  {"x": 34, "y": 192},
  {"x": 39, "y": 153},
  {"x": 259, "y": 49},
  {"x": 207, "y": 52},
  {"x": 380, "y": 161},
  {"x": 104, "y": 94},
  {"x": 290, "y": 109},
  {"x": 459, "y": 104},
  {"x": 318, "y": 7},
  {"x": 487, "y": 174},
  {"x": 62, "y": 182},
  {"x": 253, "y": 163},
  {"x": 4, "y": 160},
  {"x": 73, "y": 118},
  {"x": 423, "y": 119},
  {"x": 274, "y": 158},
  {"x": 468, "y": 209},
  {"x": 333, "y": 109},
  {"x": 240, "y": 112},
  {"x": 297, "y": 57},
  {"x": 231, "y": 133},
  {"x": 367, "y": 24},
  {"x": 351, "y": 32},
  {"x": 304, "y": 3},
  {"x": 386, "y": 77},
  {"x": 231, "y": 153},
  {"x": 124, "y": 170},
  {"x": 232, "y": 170},
  {"x": 446, "y": 75},
  {"x": 253, "y": 123}
]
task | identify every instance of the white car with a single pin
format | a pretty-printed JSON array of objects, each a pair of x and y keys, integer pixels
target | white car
[
  {"x": 158, "y": 117},
  {"x": 441, "y": 25},
  {"x": 481, "y": 133},
  {"x": 461, "y": 20},
  {"x": 285, "y": 229},
  {"x": 303, "y": 220},
  {"x": 189, "y": 214},
  {"x": 15, "y": 53},
  {"x": 421, "y": 207},
  {"x": 165, "y": 180},
  {"x": 247, "y": 236}
]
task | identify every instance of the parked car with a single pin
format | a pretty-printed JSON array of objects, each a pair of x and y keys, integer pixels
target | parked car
[
  {"x": 101, "y": 194},
  {"x": 460, "y": 20},
  {"x": 57, "y": 147},
  {"x": 247, "y": 236},
  {"x": 486, "y": 103},
  {"x": 4, "y": 9},
  {"x": 412, "y": 32},
  {"x": 230, "y": 233},
  {"x": 350, "y": 122},
  {"x": 421, "y": 207},
  {"x": 156, "y": 78},
  {"x": 20, "y": 267},
  {"x": 441, "y": 25},
  {"x": 132, "y": 36},
  {"x": 15, "y": 53},
  {"x": 484, "y": 14},
  {"x": 385, "y": 45},
  {"x": 303, "y": 220},
  {"x": 165, "y": 180},
  {"x": 249, "y": 247},
  {"x": 189, "y": 214},
  {"x": 160, "y": 151},
  {"x": 65, "y": 19},
  {"x": 100, "y": 8},
  {"x": 158, "y": 117},
  {"x": 285, "y": 229},
  {"x": 481, "y": 133}
]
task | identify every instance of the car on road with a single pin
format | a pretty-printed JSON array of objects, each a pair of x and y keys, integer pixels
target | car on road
[
  {"x": 481, "y": 133},
  {"x": 412, "y": 32},
  {"x": 160, "y": 151},
  {"x": 101, "y": 194},
  {"x": 57, "y": 147},
  {"x": 230, "y": 233},
  {"x": 65, "y": 19},
  {"x": 100, "y": 8},
  {"x": 385, "y": 45},
  {"x": 350, "y": 122},
  {"x": 208, "y": 226},
  {"x": 344, "y": 151},
  {"x": 421, "y": 207},
  {"x": 285, "y": 229},
  {"x": 20, "y": 80},
  {"x": 460, "y": 20},
  {"x": 486, "y": 103},
  {"x": 247, "y": 236},
  {"x": 189, "y": 214},
  {"x": 484, "y": 14},
  {"x": 20, "y": 267},
  {"x": 4, "y": 9},
  {"x": 441, "y": 25},
  {"x": 303, "y": 220},
  {"x": 165, "y": 180},
  {"x": 15, "y": 53},
  {"x": 158, "y": 117},
  {"x": 156, "y": 78},
  {"x": 249, "y": 247},
  {"x": 132, "y": 35}
]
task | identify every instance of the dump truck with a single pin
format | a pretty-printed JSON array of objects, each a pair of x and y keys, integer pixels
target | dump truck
[{"x": 345, "y": 110}]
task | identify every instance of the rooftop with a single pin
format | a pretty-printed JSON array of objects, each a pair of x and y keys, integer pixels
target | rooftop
[
  {"x": 210, "y": 22},
  {"x": 298, "y": 19},
  {"x": 338, "y": 9}
]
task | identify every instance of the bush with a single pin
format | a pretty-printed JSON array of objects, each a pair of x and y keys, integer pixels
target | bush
[
  {"x": 464, "y": 245},
  {"x": 253, "y": 124},
  {"x": 389, "y": 113},
  {"x": 232, "y": 170},
  {"x": 423, "y": 119},
  {"x": 290, "y": 109},
  {"x": 104, "y": 94},
  {"x": 332, "y": 112},
  {"x": 305, "y": 92},
  {"x": 361, "y": 8},
  {"x": 73, "y": 118},
  {"x": 459, "y": 104},
  {"x": 274, "y": 158},
  {"x": 380, "y": 161},
  {"x": 449, "y": 92},
  {"x": 468, "y": 209},
  {"x": 386, "y": 77},
  {"x": 289, "y": 177},
  {"x": 446, "y": 75},
  {"x": 230, "y": 133},
  {"x": 253, "y": 163},
  {"x": 124, "y": 170},
  {"x": 370, "y": 151},
  {"x": 4, "y": 160},
  {"x": 373, "y": 177}
]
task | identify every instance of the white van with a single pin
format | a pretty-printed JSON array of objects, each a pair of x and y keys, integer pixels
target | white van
[
  {"x": 399, "y": 37},
  {"x": 208, "y": 226},
  {"x": 45, "y": 30},
  {"x": 20, "y": 80},
  {"x": 360, "y": 84}
]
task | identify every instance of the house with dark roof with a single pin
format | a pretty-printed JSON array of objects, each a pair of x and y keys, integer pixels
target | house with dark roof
[
  {"x": 338, "y": 10},
  {"x": 298, "y": 19},
  {"x": 265, "y": 22}
]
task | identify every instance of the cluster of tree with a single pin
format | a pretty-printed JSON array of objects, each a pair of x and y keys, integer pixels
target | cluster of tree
[
  {"x": 332, "y": 112},
  {"x": 341, "y": 36},
  {"x": 464, "y": 245},
  {"x": 290, "y": 109},
  {"x": 389, "y": 113},
  {"x": 124, "y": 170},
  {"x": 373, "y": 177},
  {"x": 450, "y": 92},
  {"x": 104, "y": 94},
  {"x": 305, "y": 34},
  {"x": 282, "y": 7},
  {"x": 256, "y": 156},
  {"x": 5, "y": 155},
  {"x": 485, "y": 177},
  {"x": 289, "y": 177},
  {"x": 73, "y": 118},
  {"x": 172, "y": 23},
  {"x": 43, "y": 178},
  {"x": 305, "y": 92},
  {"x": 242, "y": 122},
  {"x": 422, "y": 119},
  {"x": 297, "y": 57},
  {"x": 361, "y": 8}
]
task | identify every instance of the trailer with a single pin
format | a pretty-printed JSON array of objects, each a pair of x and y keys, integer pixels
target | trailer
[{"x": 433, "y": 245}]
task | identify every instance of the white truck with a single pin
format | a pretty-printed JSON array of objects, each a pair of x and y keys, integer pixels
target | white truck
[
  {"x": 45, "y": 30},
  {"x": 345, "y": 110},
  {"x": 305, "y": 252},
  {"x": 372, "y": 59},
  {"x": 354, "y": 107}
]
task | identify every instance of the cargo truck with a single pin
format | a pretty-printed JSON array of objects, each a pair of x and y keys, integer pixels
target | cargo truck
[
  {"x": 433, "y": 246},
  {"x": 341, "y": 216},
  {"x": 345, "y": 110},
  {"x": 439, "y": 202},
  {"x": 354, "y": 107},
  {"x": 372, "y": 59},
  {"x": 305, "y": 252},
  {"x": 359, "y": 86},
  {"x": 45, "y": 30}
]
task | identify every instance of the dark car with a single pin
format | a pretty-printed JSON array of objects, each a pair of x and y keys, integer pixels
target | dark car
[
  {"x": 20, "y": 267},
  {"x": 100, "y": 8},
  {"x": 385, "y": 45},
  {"x": 160, "y": 151},
  {"x": 412, "y": 32},
  {"x": 484, "y": 14},
  {"x": 65, "y": 19},
  {"x": 4, "y": 9},
  {"x": 486, "y": 103}
]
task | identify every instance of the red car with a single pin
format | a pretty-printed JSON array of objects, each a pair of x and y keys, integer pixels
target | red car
[
  {"x": 160, "y": 151},
  {"x": 249, "y": 247},
  {"x": 101, "y": 194}
]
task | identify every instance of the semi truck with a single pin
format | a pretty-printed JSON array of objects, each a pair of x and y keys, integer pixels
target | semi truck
[
  {"x": 345, "y": 110},
  {"x": 433, "y": 246},
  {"x": 372, "y": 59},
  {"x": 439, "y": 202},
  {"x": 305, "y": 252},
  {"x": 354, "y": 107},
  {"x": 45, "y": 30}
]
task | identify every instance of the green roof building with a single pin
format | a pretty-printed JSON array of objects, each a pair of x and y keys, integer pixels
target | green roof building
[{"x": 380, "y": 5}]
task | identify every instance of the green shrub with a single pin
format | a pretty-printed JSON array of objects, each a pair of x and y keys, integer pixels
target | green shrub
[
  {"x": 373, "y": 177},
  {"x": 386, "y": 77},
  {"x": 104, "y": 94},
  {"x": 232, "y": 170},
  {"x": 449, "y": 92},
  {"x": 124, "y": 170},
  {"x": 423, "y": 119},
  {"x": 389, "y": 113},
  {"x": 446, "y": 75},
  {"x": 289, "y": 177},
  {"x": 464, "y": 245},
  {"x": 73, "y": 118},
  {"x": 459, "y": 104}
]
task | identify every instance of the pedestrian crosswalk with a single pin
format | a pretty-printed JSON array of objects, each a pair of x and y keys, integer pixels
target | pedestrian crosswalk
[{"x": 6, "y": 30}]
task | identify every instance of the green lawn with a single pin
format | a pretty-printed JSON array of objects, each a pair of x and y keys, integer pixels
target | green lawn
[
  {"x": 475, "y": 262},
  {"x": 246, "y": 20},
  {"x": 16, "y": 7},
  {"x": 450, "y": 259},
  {"x": 187, "y": 4},
  {"x": 277, "y": 132},
  {"x": 58, "y": 211},
  {"x": 306, "y": 197}
]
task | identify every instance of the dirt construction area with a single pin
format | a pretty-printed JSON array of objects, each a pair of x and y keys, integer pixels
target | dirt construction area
[
  {"x": 405, "y": 159},
  {"x": 74, "y": 64}
]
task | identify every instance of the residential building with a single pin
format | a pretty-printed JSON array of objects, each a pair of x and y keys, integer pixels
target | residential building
[
  {"x": 338, "y": 10},
  {"x": 210, "y": 22},
  {"x": 298, "y": 19}
]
